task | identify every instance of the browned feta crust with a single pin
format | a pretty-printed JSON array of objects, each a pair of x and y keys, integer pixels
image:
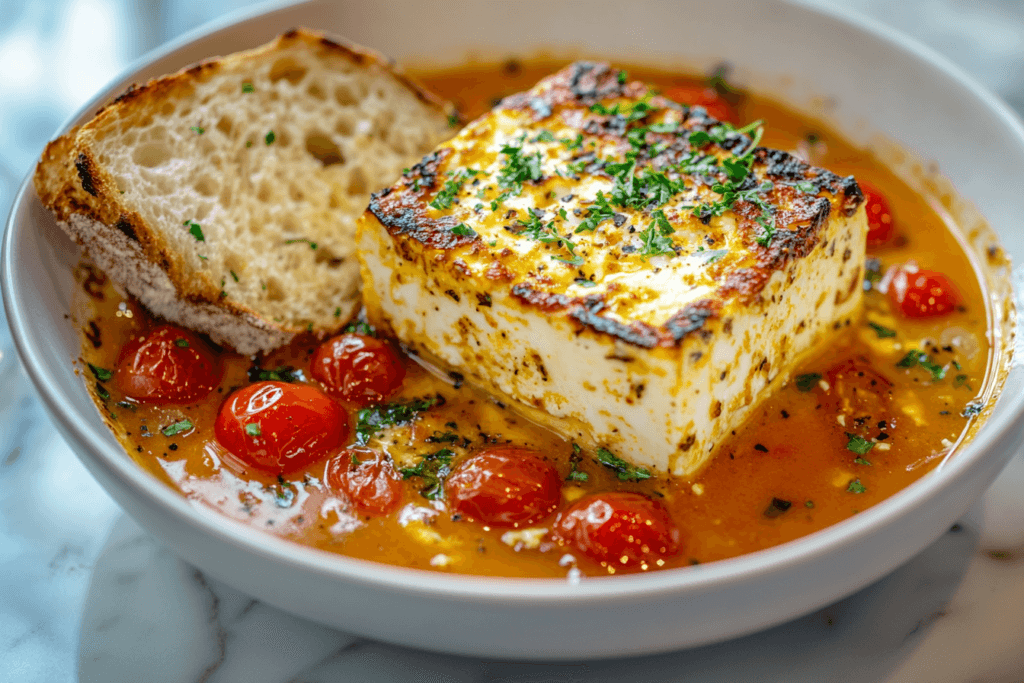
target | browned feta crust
[{"x": 619, "y": 266}]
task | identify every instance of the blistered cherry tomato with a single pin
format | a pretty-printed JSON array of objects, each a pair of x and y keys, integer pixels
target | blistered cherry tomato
[
  {"x": 358, "y": 368},
  {"x": 504, "y": 487},
  {"x": 703, "y": 96},
  {"x": 624, "y": 530},
  {"x": 279, "y": 427},
  {"x": 859, "y": 390},
  {"x": 880, "y": 224},
  {"x": 368, "y": 479},
  {"x": 167, "y": 365},
  {"x": 922, "y": 293}
]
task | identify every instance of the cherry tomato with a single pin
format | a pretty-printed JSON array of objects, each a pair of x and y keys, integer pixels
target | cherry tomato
[
  {"x": 279, "y": 427},
  {"x": 922, "y": 293},
  {"x": 859, "y": 390},
  {"x": 358, "y": 368},
  {"x": 880, "y": 224},
  {"x": 367, "y": 478},
  {"x": 504, "y": 487},
  {"x": 623, "y": 530},
  {"x": 703, "y": 96},
  {"x": 167, "y": 365}
]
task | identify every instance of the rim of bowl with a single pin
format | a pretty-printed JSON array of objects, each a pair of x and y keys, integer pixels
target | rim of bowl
[{"x": 93, "y": 436}]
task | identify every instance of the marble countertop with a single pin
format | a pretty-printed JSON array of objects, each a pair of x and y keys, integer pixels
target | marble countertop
[{"x": 86, "y": 595}]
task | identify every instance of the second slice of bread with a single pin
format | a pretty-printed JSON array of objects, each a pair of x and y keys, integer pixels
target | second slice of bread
[{"x": 224, "y": 197}]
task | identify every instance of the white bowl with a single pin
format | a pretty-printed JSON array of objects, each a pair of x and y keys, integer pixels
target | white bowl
[{"x": 871, "y": 80}]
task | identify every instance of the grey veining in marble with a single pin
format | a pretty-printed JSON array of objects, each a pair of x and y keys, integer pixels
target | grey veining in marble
[
  {"x": 85, "y": 595},
  {"x": 145, "y": 606}
]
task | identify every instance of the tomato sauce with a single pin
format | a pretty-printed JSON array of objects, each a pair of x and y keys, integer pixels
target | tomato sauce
[{"x": 461, "y": 483}]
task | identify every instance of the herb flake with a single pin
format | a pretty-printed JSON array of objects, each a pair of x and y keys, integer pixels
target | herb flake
[
  {"x": 195, "y": 230},
  {"x": 432, "y": 469},
  {"x": 626, "y": 472},
  {"x": 371, "y": 421},
  {"x": 102, "y": 374},
  {"x": 882, "y": 331},
  {"x": 858, "y": 444},
  {"x": 807, "y": 381},
  {"x": 177, "y": 428}
]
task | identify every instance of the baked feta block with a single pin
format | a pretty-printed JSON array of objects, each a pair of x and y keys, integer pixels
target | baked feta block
[{"x": 625, "y": 269}]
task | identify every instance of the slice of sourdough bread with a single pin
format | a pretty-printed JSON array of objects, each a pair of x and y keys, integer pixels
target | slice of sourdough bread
[{"x": 225, "y": 196}]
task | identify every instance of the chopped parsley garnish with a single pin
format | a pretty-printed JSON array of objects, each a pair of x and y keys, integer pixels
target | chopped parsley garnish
[
  {"x": 737, "y": 168},
  {"x": 882, "y": 331},
  {"x": 463, "y": 230},
  {"x": 282, "y": 373},
  {"x": 856, "y": 487},
  {"x": 777, "y": 507},
  {"x": 861, "y": 461},
  {"x": 622, "y": 76},
  {"x": 311, "y": 243},
  {"x": 195, "y": 230},
  {"x": 696, "y": 163},
  {"x": 806, "y": 186},
  {"x": 666, "y": 127},
  {"x": 177, "y": 428},
  {"x": 544, "y": 136},
  {"x": 360, "y": 328},
  {"x": 599, "y": 211},
  {"x": 234, "y": 275},
  {"x": 253, "y": 429},
  {"x": 626, "y": 472},
  {"x": 181, "y": 343},
  {"x": 518, "y": 169},
  {"x": 576, "y": 474},
  {"x": 451, "y": 188},
  {"x": 584, "y": 282},
  {"x": 370, "y": 421},
  {"x": 432, "y": 469},
  {"x": 573, "y": 143},
  {"x": 807, "y": 381},
  {"x": 656, "y": 237},
  {"x": 915, "y": 357},
  {"x": 197, "y": 130},
  {"x": 545, "y": 233},
  {"x": 102, "y": 392},
  {"x": 248, "y": 87},
  {"x": 102, "y": 374},
  {"x": 720, "y": 133},
  {"x": 269, "y": 138},
  {"x": 858, "y": 444},
  {"x": 631, "y": 111},
  {"x": 442, "y": 437}
]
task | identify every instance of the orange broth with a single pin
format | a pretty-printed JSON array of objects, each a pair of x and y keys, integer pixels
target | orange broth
[{"x": 794, "y": 450}]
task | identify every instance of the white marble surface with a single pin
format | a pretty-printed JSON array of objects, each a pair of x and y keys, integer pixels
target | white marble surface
[{"x": 85, "y": 595}]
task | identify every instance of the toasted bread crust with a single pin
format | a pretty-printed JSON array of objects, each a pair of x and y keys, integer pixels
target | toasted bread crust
[{"x": 72, "y": 181}]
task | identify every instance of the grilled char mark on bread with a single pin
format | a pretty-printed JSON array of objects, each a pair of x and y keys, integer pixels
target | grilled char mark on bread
[
  {"x": 627, "y": 270},
  {"x": 802, "y": 199},
  {"x": 225, "y": 196}
]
